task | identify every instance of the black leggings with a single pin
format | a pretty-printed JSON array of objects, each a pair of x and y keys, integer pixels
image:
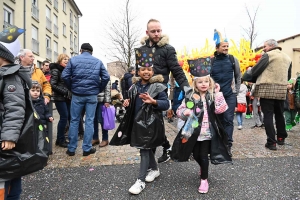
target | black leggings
[
  {"x": 200, "y": 154},
  {"x": 147, "y": 162}
]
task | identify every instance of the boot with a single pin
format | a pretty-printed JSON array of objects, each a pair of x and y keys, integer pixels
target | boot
[
  {"x": 94, "y": 142},
  {"x": 288, "y": 127},
  {"x": 103, "y": 143}
]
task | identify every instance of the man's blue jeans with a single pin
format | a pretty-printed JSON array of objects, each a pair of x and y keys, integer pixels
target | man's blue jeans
[
  {"x": 228, "y": 116},
  {"x": 99, "y": 119},
  {"x": 78, "y": 103},
  {"x": 13, "y": 189}
]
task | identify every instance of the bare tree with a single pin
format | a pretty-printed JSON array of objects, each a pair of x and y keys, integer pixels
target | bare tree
[
  {"x": 123, "y": 36},
  {"x": 251, "y": 30}
]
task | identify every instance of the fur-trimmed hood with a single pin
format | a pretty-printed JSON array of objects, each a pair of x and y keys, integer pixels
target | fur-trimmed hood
[
  {"x": 155, "y": 79},
  {"x": 162, "y": 42}
]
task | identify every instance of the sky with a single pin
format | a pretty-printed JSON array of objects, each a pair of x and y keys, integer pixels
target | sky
[{"x": 189, "y": 23}]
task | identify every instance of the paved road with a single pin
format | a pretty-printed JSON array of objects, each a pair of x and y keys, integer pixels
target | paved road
[{"x": 256, "y": 173}]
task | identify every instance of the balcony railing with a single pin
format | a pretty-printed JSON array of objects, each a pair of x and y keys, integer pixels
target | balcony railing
[
  {"x": 55, "y": 29},
  {"x": 6, "y": 24},
  {"x": 35, "y": 46},
  {"x": 48, "y": 24},
  {"x": 75, "y": 28},
  {"x": 71, "y": 23},
  {"x": 35, "y": 12},
  {"x": 49, "y": 53},
  {"x": 50, "y": 1},
  {"x": 56, "y": 4},
  {"x": 55, "y": 55}
]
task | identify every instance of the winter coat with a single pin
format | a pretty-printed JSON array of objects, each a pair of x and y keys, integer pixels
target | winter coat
[
  {"x": 83, "y": 73},
  {"x": 289, "y": 103},
  {"x": 41, "y": 109},
  {"x": 219, "y": 152},
  {"x": 12, "y": 103},
  {"x": 270, "y": 74},
  {"x": 105, "y": 95},
  {"x": 165, "y": 60},
  {"x": 143, "y": 124},
  {"x": 39, "y": 76},
  {"x": 241, "y": 97},
  {"x": 60, "y": 91}
]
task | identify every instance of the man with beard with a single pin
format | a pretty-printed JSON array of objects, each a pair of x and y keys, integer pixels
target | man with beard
[{"x": 164, "y": 61}]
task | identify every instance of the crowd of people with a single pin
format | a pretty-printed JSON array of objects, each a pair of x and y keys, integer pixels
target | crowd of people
[{"x": 80, "y": 88}]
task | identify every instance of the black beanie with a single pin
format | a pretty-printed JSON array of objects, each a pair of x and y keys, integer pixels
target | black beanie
[
  {"x": 87, "y": 46},
  {"x": 6, "y": 54}
]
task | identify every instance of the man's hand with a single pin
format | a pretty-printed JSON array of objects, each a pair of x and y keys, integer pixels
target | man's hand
[
  {"x": 126, "y": 102},
  {"x": 51, "y": 119},
  {"x": 46, "y": 100},
  {"x": 7, "y": 145},
  {"x": 146, "y": 98}
]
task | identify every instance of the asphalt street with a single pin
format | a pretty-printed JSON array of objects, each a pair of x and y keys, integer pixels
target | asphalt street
[{"x": 257, "y": 178}]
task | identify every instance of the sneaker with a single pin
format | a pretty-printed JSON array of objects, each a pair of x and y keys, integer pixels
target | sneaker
[
  {"x": 247, "y": 117},
  {"x": 165, "y": 157},
  {"x": 61, "y": 144},
  {"x": 203, "y": 188},
  {"x": 137, "y": 187},
  {"x": 91, "y": 151},
  {"x": 280, "y": 141},
  {"x": 152, "y": 174},
  {"x": 271, "y": 146},
  {"x": 70, "y": 153},
  {"x": 240, "y": 127},
  {"x": 288, "y": 127}
]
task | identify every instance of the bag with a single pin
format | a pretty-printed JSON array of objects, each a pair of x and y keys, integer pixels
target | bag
[
  {"x": 241, "y": 107},
  {"x": 188, "y": 128},
  {"x": 32, "y": 149},
  {"x": 221, "y": 105},
  {"x": 108, "y": 114}
]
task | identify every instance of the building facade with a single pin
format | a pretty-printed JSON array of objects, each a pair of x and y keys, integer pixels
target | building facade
[
  {"x": 52, "y": 26},
  {"x": 291, "y": 46}
]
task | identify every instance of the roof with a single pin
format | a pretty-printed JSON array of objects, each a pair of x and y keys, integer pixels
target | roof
[
  {"x": 73, "y": 3},
  {"x": 291, "y": 37},
  {"x": 296, "y": 49}
]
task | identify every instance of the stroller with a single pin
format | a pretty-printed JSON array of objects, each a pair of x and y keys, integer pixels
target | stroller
[{"x": 117, "y": 102}]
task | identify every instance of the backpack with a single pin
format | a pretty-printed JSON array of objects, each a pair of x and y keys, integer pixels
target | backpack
[
  {"x": 231, "y": 58},
  {"x": 32, "y": 149}
]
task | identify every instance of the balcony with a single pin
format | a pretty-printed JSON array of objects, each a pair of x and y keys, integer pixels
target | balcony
[
  {"x": 6, "y": 24},
  {"x": 35, "y": 12},
  {"x": 48, "y": 24},
  {"x": 56, "y": 5},
  {"x": 35, "y": 46},
  {"x": 71, "y": 23},
  {"x": 55, "y": 30},
  {"x": 55, "y": 55},
  {"x": 75, "y": 28},
  {"x": 49, "y": 53}
]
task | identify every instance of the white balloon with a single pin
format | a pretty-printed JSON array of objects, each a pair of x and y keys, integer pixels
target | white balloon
[{"x": 13, "y": 47}]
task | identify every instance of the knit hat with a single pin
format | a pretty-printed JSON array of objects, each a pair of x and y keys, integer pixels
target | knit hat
[
  {"x": 6, "y": 54},
  {"x": 291, "y": 81},
  {"x": 87, "y": 46}
]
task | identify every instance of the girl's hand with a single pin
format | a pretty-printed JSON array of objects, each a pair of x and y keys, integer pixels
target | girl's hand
[
  {"x": 146, "y": 98},
  {"x": 51, "y": 119},
  {"x": 126, "y": 102},
  {"x": 217, "y": 88},
  {"x": 7, "y": 145},
  {"x": 187, "y": 112}
]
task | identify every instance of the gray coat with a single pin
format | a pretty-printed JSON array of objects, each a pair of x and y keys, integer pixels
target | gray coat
[{"x": 105, "y": 95}]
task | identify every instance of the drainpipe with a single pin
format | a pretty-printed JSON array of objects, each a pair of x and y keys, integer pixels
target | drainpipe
[{"x": 24, "y": 42}]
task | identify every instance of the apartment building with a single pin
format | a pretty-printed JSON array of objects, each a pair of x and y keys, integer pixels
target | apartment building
[{"x": 52, "y": 26}]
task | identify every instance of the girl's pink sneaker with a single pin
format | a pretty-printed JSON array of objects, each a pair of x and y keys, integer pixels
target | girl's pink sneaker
[{"x": 203, "y": 188}]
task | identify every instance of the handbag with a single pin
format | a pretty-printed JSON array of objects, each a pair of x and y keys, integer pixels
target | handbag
[
  {"x": 108, "y": 114},
  {"x": 220, "y": 104},
  {"x": 241, "y": 107}
]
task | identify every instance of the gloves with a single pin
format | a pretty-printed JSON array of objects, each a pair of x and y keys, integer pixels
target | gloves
[{"x": 68, "y": 95}]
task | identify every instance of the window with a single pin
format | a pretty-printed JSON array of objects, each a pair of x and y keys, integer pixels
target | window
[
  {"x": 71, "y": 19},
  {"x": 8, "y": 16},
  {"x": 64, "y": 30},
  {"x": 71, "y": 40},
  {"x": 55, "y": 27},
  {"x": 35, "y": 9},
  {"x": 56, "y": 5},
  {"x": 48, "y": 48},
  {"x": 64, "y": 50},
  {"x": 64, "y": 6},
  {"x": 75, "y": 44},
  {"x": 75, "y": 24},
  {"x": 55, "y": 50},
  {"x": 39, "y": 64},
  {"x": 34, "y": 40},
  {"x": 48, "y": 19}
]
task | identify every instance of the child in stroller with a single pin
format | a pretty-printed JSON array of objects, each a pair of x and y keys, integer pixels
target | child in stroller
[{"x": 117, "y": 102}]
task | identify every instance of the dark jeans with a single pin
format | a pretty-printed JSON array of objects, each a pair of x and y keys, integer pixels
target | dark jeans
[
  {"x": 63, "y": 110},
  {"x": 147, "y": 162},
  {"x": 227, "y": 117},
  {"x": 99, "y": 119},
  {"x": 13, "y": 189},
  {"x": 200, "y": 154},
  {"x": 269, "y": 108}
]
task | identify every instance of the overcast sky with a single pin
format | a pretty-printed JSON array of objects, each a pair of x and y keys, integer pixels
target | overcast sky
[{"x": 188, "y": 23}]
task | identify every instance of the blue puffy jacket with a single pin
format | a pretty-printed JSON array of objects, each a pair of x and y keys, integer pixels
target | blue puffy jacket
[{"x": 83, "y": 73}]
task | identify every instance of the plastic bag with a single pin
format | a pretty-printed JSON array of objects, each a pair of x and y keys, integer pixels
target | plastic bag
[
  {"x": 108, "y": 114},
  {"x": 188, "y": 128}
]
